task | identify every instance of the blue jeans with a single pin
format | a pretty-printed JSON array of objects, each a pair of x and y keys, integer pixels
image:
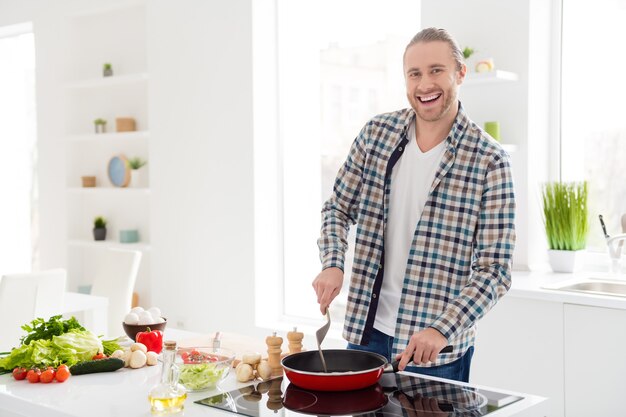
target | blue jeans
[{"x": 458, "y": 370}]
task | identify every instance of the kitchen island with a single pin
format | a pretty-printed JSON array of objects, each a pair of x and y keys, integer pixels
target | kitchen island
[{"x": 125, "y": 393}]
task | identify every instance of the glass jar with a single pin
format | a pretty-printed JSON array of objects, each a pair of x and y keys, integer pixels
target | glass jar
[{"x": 168, "y": 396}]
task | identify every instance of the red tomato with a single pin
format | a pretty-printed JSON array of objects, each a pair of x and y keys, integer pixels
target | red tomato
[
  {"x": 63, "y": 372},
  {"x": 99, "y": 356},
  {"x": 47, "y": 376},
  {"x": 19, "y": 373},
  {"x": 33, "y": 375}
]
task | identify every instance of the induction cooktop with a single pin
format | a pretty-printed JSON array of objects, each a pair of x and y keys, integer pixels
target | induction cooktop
[{"x": 396, "y": 395}]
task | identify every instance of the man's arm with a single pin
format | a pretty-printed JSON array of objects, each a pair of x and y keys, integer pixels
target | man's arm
[
  {"x": 494, "y": 243},
  {"x": 338, "y": 214}
]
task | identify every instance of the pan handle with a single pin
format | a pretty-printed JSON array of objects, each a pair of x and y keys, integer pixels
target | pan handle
[{"x": 394, "y": 364}]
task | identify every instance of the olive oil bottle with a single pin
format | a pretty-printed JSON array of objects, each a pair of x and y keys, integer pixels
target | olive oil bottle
[{"x": 168, "y": 396}]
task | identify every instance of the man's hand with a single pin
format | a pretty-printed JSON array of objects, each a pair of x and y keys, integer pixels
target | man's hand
[
  {"x": 423, "y": 347},
  {"x": 327, "y": 285}
]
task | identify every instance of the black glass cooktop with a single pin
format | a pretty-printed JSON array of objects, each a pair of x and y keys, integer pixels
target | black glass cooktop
[{"x": 395, "y": 395}]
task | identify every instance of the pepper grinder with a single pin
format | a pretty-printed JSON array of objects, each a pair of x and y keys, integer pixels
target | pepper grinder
[
  {"x": 274, "y": 344},
  {"x": 295, "y": 340}
]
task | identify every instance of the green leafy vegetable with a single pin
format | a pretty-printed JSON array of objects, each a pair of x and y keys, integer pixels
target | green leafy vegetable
[
  {"x": 39, "y": 329},
  {"x": 70, "y": 348},
  {"x": 110, "y": 346},
  {"x": 200, "y": 376}
]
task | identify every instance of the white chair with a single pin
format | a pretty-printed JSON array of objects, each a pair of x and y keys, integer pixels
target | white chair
[
  {"x": 24, "y": 297},
  {"x": 113, "y": 276}
]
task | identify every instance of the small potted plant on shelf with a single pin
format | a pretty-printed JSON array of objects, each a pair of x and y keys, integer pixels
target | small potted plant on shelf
[
  {"x": 100, "y": 125},
  {"x": 566, "y": 222},
  {"x": 107, "y": 70},
  {"x": 136, "y": 175},
  {"x": 468, "y": 52},
  {"x": 99, "y": 228}
]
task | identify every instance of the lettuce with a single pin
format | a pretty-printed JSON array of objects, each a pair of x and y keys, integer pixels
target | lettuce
[{"x": 69, "y": 348}]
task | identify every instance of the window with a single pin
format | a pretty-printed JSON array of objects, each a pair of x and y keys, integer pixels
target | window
[
  {"x": 593, "y": 126},
  {"x": 333, "y": 77},
  {"x": 17, "y": 148}
]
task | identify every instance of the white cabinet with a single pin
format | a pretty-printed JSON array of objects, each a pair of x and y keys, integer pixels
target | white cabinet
[
  {"x": 519, "y": 347},
  {"x": 595, "y": 361},
  {"x": 116, "y": 35}
]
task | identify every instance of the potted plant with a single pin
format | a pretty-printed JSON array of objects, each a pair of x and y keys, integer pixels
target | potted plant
[
  {"x": 99, "y": 228},
  {"x": 100, "y": 125},
  {"x": 107, "y": 70},
  {"x": 566, "y": 222},
  {"x": 136, "y": 176}
]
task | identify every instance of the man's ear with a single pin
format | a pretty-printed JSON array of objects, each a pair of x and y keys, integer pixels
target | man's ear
[{"x": 460, "y": 74}]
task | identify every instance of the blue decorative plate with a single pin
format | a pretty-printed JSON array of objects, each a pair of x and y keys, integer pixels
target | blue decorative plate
[{"x": 119, "y": 173}]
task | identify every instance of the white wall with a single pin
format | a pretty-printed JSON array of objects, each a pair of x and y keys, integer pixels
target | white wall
[{"x": 200, "y": 63}]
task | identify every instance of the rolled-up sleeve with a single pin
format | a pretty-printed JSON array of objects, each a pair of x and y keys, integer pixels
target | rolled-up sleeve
[{"x": 340, "y": 211}]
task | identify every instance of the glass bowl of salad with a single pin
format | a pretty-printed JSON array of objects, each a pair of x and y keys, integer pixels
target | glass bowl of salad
[{"x": 202, "y": 368}]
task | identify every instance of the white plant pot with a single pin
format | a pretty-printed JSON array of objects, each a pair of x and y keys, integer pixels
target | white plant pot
[
  {"x": 562, "y": 260},
  {"x": 137, "y": 178}
]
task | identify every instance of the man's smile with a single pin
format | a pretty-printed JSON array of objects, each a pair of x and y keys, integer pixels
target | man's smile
[{"x": 429, "y": 99}]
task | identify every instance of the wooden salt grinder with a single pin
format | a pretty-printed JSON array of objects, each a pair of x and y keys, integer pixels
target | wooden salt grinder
[
  {"x": 295, "y": 340},
  {"x": 274, "y": 344}
]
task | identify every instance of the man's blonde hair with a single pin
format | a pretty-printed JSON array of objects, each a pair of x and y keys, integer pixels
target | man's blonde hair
[{"x": 442, "y": 35}]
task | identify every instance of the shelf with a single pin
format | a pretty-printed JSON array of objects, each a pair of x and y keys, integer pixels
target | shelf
[
  {"x": 113, "y": 136},
  {"x": 490, "y": 77},
  {"x": 108, "y": 244},
  {"x": 113, "y": 80},
  {"x": 110, "y": 190}
]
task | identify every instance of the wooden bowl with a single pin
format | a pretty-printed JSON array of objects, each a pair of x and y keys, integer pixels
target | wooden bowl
[{"x": 131, "y": 330}]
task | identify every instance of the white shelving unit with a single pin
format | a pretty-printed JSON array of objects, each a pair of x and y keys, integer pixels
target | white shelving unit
[
  {"x": 106, "y": 82},
  {"x": 89, "y": 96},
  {"x": 108, "y": 244}
]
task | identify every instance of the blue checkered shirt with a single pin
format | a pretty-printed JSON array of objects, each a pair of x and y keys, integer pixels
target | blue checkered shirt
[{"x": 459, "y": 264}]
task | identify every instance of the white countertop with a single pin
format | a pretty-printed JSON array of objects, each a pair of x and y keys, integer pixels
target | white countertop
[
  {"x": 125, "y": 393},
  {"x": 535, "y": 285}
]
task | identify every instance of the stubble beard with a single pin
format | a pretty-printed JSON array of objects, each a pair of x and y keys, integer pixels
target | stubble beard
[{"x": 449, "y": 97}]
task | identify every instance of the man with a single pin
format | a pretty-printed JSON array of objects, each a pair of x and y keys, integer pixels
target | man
[{"x": 433, "y": 197}]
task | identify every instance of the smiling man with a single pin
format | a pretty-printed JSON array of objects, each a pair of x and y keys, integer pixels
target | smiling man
[{"x": 433, "y": 197}]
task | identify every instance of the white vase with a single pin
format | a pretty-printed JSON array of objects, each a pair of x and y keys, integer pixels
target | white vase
[
  {"x": 562, "y": 260},
  {"x": 137, "y": 178}
]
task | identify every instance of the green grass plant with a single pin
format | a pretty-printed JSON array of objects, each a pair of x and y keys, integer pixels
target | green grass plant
[{"x": 565, "y": 215}]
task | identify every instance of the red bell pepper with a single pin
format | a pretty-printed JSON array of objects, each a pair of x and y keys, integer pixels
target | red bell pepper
[{"x": 153, "y": 339}]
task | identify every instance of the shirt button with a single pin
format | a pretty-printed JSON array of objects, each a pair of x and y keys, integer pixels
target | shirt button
[
  {"x": 400, "y": 148},
  {"x": 374, "y": 296}
]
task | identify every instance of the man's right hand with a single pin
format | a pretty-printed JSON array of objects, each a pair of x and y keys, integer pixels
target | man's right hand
[{"x": 327, "y": 285}]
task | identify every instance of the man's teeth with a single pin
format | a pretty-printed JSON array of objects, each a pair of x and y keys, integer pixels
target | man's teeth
[{"x": 429, "y": 98}]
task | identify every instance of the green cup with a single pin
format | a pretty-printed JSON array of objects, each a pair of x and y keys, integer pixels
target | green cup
[
  {"x": 493, "y": 129},
  {"x": 129, "y": 236}
]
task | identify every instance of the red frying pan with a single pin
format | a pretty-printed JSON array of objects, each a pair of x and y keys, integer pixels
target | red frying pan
[{"x": 347, "y": 369}]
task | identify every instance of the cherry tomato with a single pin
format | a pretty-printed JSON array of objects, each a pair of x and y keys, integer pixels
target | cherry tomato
[
  {"x": 33, "y": 375},
  {"x": 63, "y": 372},
  {"x": 19, "y": 373},
  {"x": 47, "y": 376},
  {"x": 99, "y": 356}
]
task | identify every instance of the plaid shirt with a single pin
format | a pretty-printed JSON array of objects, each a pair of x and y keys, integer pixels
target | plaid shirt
[{"x": 459, "y": 264}]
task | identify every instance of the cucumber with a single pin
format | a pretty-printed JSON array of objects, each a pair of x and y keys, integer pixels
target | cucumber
[{"x": 100, "y": 365}]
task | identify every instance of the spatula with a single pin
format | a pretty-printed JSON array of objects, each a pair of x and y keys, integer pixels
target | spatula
[{"x": 320, "y": 334}]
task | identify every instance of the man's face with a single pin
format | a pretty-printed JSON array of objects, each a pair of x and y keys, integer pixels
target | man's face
[{"x": 432, "y": 79}]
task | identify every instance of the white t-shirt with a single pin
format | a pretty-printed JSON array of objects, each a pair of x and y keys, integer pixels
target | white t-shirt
[{"x": 411, "y": 179}]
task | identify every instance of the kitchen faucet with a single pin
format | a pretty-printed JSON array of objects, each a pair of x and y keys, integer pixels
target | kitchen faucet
[{"x": 614, "y": 246}]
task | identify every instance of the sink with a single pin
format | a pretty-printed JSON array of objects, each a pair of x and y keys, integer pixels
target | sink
[{"x": 594, "y": 287}]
